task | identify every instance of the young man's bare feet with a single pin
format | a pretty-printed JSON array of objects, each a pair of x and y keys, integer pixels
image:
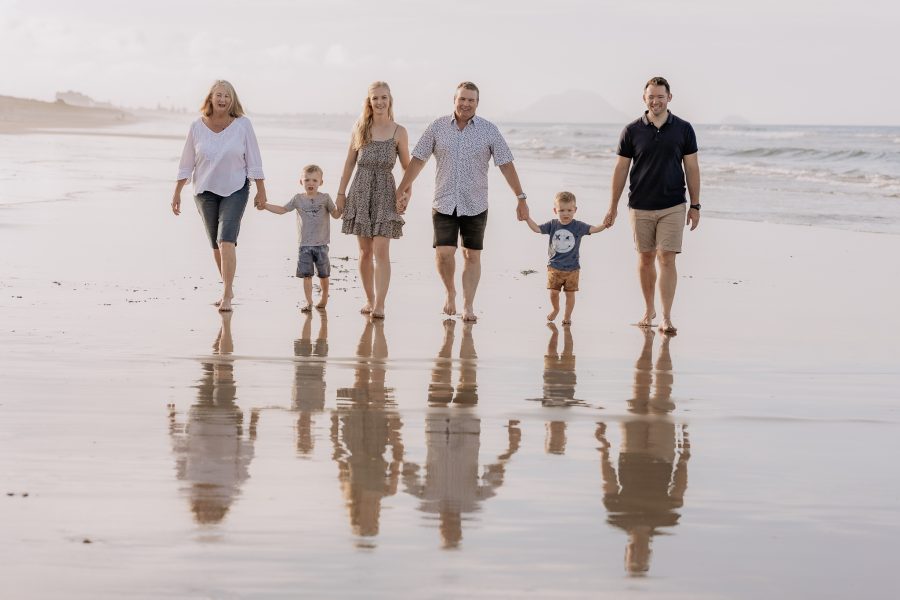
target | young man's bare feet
[
  {"x": 450, "y": 306},
  {"x": 551, "y": 316},
  {"x": 323, "y": 302},
  {"x": 647, "y": 321},
  {"x": 667, "y": 328}
]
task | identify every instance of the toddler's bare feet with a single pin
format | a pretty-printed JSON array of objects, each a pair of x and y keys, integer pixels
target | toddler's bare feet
[
  {"x": 552, "y": 314},
  {"x": 647, "y": 321}
]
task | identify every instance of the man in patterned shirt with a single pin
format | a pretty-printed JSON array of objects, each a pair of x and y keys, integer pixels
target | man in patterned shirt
[{"x": 462, "y": 145}]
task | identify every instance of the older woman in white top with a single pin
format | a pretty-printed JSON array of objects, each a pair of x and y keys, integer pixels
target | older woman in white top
[{"x": 222, "y": 155}]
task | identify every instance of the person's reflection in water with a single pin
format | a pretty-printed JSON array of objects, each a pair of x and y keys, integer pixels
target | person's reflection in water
[
  {"x": 364, "y": 424},
  {"x": 642, "y": 495},
  {"x": 559, "y": 385},
  {"x": 308, "y": 392},
  {"x": 212, "y": 454},
  {"x": 452, "y": 486}
]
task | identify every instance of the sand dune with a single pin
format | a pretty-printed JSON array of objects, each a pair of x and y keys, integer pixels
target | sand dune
[{"x": 19, "y": 115}]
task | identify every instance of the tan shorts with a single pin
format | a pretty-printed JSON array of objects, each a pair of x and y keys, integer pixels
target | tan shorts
[
  {"x": 567, "y": 280},
  {"x": 658, "y": 229}
]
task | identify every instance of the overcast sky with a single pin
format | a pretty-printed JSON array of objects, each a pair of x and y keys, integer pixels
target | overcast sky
[{"x": 769, "y": 61}]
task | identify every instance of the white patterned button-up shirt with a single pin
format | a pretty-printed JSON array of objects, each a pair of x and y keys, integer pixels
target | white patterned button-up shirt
[{"x": 461, "y": 183}]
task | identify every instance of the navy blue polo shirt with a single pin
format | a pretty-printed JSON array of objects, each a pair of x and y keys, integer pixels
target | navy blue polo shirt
[{"x": 656, "y": 181}]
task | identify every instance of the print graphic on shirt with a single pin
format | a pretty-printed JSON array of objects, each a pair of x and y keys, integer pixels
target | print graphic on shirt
[{"x": 562, "y": 241}]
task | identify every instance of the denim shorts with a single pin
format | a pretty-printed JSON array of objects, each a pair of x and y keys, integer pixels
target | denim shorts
[
  {"x": 449, "y": 228},
  {"x": 309, "y": 256},
  {"x": 222, "y": 214}
]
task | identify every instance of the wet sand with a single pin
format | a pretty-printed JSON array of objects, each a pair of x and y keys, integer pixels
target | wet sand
[{"x": 151, "y": 447}]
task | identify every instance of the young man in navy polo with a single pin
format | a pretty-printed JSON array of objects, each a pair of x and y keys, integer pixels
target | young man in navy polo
[{"x": 654, "y": 148}]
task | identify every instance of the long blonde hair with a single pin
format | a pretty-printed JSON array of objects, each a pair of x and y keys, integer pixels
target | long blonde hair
[
  {"x": 236, "y": 109},
  {"x": 362, "y": 131}
]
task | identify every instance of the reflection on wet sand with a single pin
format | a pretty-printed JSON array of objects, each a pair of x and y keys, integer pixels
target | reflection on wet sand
[
  {"x": 308, "y": 391},
  {"x": 363, "y": 425},
  {"x": 643, "y": 493},
  {"x": 559, "y": 385},
  {"x": 452, "y": 486},
  {"x": 211, "y": 453}
]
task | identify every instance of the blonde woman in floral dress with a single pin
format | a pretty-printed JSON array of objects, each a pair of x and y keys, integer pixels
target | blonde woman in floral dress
[{"x": 370, "y": 206}]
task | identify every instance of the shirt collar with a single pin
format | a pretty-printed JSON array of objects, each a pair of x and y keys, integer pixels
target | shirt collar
[
  {"x": 473, "y": 121},
  {"x": 646, "y": 121}
]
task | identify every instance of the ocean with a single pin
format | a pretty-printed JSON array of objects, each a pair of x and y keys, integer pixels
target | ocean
[{"x": 839, "y": 177}]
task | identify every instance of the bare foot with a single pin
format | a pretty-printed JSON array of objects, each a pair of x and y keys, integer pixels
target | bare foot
[
  {"x": 366, "y": 309},
  {"x": 224, "y": 305},
  {"x": 377, "y": 315},
  {"x": 306, "y": 307},
  {"x": 450, "y": 306},
  {"x": 322, "y": 303},
  {"x": 551, "y": 316},
  {"x": 469, "y": 317},
  {"x": 667, "y": 328},
  {"x": 567, "y": 321},
  {"x": 647, "y": 321}
]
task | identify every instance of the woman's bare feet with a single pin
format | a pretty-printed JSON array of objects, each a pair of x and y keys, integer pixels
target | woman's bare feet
[
  {"x": 366, "y": 309},
  {"x": 667, "y": 328},
  {"x": 551, "y": 316},
  {"x": 567, "y": 321},
  {"x": 306, "y": 308},
  {"x": 224, "y": 304},
  {"x": 647, "y": 321},
  {"x": 469, "y": 316}
]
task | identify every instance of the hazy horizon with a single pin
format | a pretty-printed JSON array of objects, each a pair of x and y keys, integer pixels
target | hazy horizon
[{"x": 803, "y": 63}]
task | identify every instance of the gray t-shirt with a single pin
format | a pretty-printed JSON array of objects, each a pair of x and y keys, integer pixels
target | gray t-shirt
[
  {"x": 565, "y": 241},
  {"x": 313, "y": 214}
]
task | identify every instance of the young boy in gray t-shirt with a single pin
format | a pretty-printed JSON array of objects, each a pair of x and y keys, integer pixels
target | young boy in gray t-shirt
[
  {"x": 563, "y": 268},
  {"x": 314, "y": 231}
]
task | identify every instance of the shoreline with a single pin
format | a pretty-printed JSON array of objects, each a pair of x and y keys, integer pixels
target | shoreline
[{"x": 145, "y": 438}]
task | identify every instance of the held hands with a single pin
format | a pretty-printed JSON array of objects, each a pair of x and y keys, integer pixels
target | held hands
[
  {"x": 402, "y": 200},
  {"x": 259, "y": 201},
  {"x": 522, "y": 213},
  {"x": 610, "y": 218}
]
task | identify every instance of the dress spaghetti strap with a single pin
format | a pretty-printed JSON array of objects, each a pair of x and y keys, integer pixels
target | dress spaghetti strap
[{"x": 394, "y": 135}]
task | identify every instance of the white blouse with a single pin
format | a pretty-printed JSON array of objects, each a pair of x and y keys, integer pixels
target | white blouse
[{"x": 220, "y": 162}]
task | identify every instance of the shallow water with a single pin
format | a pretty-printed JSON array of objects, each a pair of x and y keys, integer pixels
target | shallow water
[{"x": 168, "y": 451}]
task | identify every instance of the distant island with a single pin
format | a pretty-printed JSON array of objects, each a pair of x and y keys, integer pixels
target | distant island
[{"x": 572, "y": 106}]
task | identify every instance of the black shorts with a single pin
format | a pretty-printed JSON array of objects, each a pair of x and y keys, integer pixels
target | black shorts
[{"x": 449, "y": 228}]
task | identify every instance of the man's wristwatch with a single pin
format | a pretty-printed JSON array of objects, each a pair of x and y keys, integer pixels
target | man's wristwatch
[
  {"x": 695, "y": 206},
  {"x": 522, "y": 196}
]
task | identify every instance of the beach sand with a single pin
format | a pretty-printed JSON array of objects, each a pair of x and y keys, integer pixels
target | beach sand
[{"x": 151, "y": 447}]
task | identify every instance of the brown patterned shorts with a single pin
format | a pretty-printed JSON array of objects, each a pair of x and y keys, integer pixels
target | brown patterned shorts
[{"x": 565, "y": 280}]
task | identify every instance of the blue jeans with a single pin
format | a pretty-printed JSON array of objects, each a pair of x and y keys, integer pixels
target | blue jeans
[{"x": 222, "y": 214}]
